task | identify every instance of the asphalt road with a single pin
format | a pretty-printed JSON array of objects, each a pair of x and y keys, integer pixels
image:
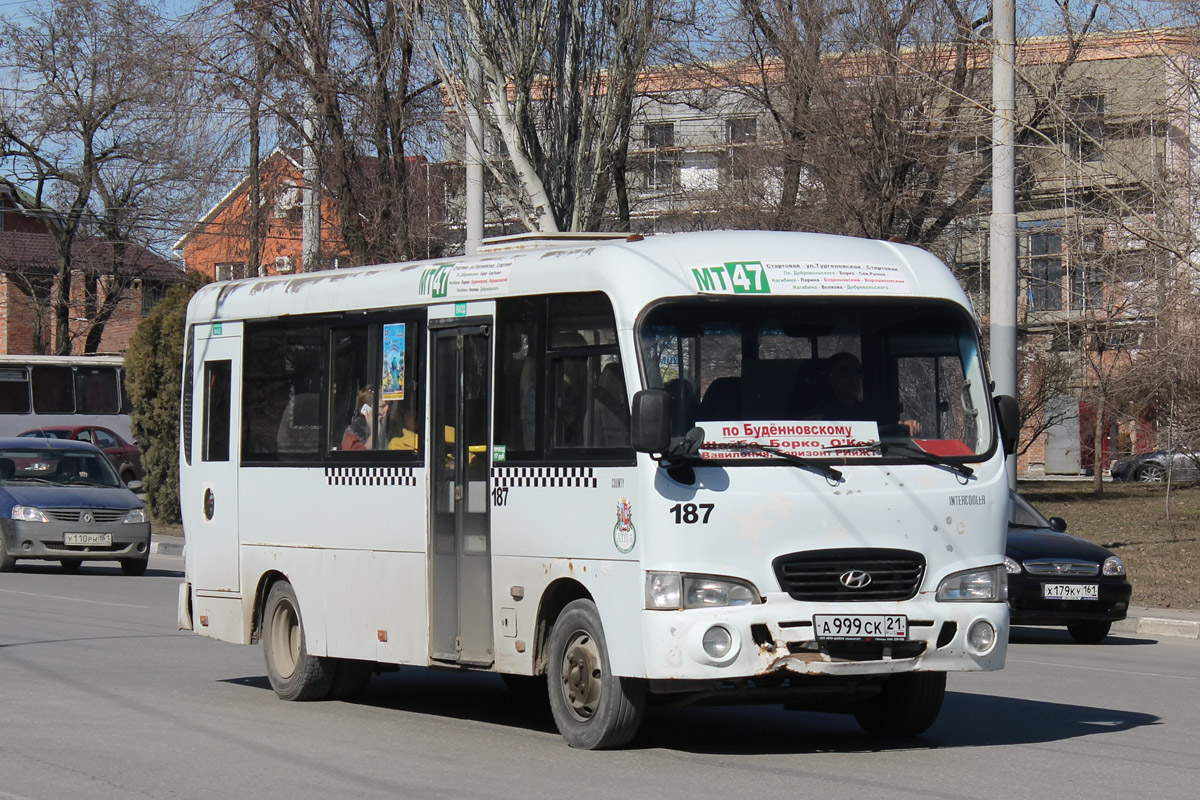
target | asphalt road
[{"x": 100, "y": 697}]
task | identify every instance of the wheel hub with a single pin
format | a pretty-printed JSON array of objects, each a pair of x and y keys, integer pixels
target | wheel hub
[{"x": 582, "y": 676}]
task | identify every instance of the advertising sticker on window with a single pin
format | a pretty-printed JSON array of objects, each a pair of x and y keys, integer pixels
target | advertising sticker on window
[
  {"x": 393, "y": 361},
  {"x": 756, "y": 277},
  {"x": 804, "y": 438}
]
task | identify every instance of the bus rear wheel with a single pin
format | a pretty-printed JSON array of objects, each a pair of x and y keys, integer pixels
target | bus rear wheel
[
  {"x": 293, "y": 672},
  {"x": 593, "y": 708},
  {"x": 906, "y": 706}
]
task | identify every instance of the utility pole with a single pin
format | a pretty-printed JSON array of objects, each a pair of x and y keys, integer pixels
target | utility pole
[
  {"x": 473, "y": 159},
  {"x": 310, "y": 193},
  {"x": 1003, "y": 229}
]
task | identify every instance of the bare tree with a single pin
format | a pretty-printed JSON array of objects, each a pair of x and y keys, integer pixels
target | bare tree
[
  {"x": 558, "y": 84},
  {"x": 98, "y": 123}
]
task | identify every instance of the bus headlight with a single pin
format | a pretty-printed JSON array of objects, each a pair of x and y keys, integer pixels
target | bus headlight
[
  {"x": 29, "y": 514},
  {"x": 989, "y": 585},
  {"x": 674, "y": 590}
]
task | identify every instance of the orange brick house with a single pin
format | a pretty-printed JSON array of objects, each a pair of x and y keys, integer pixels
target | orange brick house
[
  {"x": 219, "y": 244},
  {"x": 28, "y": 270}
]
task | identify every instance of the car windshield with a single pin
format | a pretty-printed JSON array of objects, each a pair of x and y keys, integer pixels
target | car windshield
[
  {"x": 49, "y": 466},
  {"x": 851, "y": 379},
  {"x": 1022, "y": 515}
]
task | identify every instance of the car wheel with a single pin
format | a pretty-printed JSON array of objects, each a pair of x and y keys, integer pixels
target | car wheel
[
  {"x": 906, "y": 706},
  {"x": 1091, "y": 632},
  {"x": 1152, "y": 473},
  {"x": 293, "y": 672},
  {"x": 134, "y": 566},
  {"x": 593, "y": 708},
  {"x": 70, "y": 564},
  {"x": 7, "y": 562}
]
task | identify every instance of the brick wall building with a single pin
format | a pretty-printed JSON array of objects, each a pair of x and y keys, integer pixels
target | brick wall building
[{"x": 28, "y": 284}]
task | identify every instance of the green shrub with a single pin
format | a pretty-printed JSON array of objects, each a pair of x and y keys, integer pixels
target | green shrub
[{"x": 154, "y": 376}]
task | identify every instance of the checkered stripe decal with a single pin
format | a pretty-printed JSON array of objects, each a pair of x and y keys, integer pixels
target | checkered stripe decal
[
  {"x": 509, "y": 477},
  {"x": 370, "y": 476}
]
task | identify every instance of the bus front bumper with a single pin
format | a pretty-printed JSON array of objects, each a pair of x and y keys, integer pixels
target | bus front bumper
[{"x": 779, "y": 637}]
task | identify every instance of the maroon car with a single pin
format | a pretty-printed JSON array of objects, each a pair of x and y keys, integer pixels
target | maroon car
[{"x": 125, "y": 457}]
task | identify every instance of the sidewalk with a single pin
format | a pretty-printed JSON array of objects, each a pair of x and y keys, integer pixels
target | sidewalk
[{"x": 166, "y": 545}]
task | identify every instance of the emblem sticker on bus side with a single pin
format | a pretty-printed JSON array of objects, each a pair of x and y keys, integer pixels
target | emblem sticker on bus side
[{"x": 624, "y": 534}]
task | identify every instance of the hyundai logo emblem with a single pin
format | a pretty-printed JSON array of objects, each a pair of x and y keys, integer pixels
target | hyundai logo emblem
[{"x": 855, "y": 579}]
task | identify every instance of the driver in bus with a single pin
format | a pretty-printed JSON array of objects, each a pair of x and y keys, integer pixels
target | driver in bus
[{"x": 844, "y": 401}]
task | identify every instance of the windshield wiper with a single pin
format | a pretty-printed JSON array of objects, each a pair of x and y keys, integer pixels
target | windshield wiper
[
  {"x": 924, "y": 457},
  {"x": 748, "y": 448},
  {"x": 916, "y": 453}
]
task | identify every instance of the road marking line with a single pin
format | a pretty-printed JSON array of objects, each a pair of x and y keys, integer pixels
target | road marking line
[
  {"x": 1101, "y": 669},
  {"x": 76, "y": 599}
]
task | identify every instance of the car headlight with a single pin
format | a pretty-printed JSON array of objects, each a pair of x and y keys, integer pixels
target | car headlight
[
  {"x": 29, "y": 514},
  {"x": 989, "y": 585},
  {"x": 1011, "y": 566},
  {"x": 1113, "y": 566},
  {"x": 136, "y": 515},
  {"x": 674, "y": 590}
]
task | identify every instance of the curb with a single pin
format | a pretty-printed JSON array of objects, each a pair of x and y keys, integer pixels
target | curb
[
  {"x": 166, "y": 548},
  {"x": 1159, "y": 626}
]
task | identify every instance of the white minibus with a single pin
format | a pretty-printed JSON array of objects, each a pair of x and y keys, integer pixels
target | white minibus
[{"x": 751, "y": 467}]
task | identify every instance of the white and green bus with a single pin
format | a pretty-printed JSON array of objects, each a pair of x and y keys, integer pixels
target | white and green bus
[{"x": 688, "y": 468}]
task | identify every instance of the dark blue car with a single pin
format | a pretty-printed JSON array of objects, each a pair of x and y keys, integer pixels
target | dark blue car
[{"x": 61, "y": 500}]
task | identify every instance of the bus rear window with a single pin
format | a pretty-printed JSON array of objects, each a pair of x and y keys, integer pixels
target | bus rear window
[
  {"x": 53, "y": 390},
  {"x": 14, "y": 390}
]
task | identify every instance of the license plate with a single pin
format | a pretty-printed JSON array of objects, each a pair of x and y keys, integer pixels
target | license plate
[
  {"x": 861, "y": 626},
  {"x": 1071, "y": 591},
  {"x": 87, "y": 538}
]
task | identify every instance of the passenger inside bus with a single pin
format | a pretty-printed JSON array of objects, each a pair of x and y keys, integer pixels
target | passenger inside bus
[
  {"x": 360, "y": 433},
  {"x": 402, "y": 427}
]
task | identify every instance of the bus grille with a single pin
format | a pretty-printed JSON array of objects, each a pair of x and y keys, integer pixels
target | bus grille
[{"x": 817, "y": 575}]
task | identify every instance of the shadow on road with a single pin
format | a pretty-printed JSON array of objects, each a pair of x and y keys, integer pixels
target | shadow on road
[
  {"x": 1030, "y": 635},
  {"x": 967, "y": 720}
]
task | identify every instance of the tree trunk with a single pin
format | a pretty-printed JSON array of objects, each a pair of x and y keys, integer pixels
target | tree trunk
[{"x": 1098, "y": 449}]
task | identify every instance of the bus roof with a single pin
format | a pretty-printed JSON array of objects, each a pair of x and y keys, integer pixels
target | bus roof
[
  {"x": 632, "y": 271},
  {"x": 63, "y": 361}
]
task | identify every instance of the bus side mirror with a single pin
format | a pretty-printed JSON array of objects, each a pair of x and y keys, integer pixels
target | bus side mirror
[
  {"x": 1010, "y": 423},
  {"x": 650, "y": 422}
]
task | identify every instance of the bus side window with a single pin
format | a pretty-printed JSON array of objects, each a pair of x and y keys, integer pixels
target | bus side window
[
  {"x": 281, "y": 386},
  {"x": 53, "y": 390},
  {"x": 520, "y": 363},
  {"x": 14, "y": 390},
  {"x": 97, "y": 391},
  {"x": 350, "y": 382}
]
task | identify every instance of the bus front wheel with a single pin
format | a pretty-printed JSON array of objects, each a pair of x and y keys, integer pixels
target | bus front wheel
[
  {"x": 293, "y": 672},
  {"x": 593, "y": 708},
  {"x": 906, "y": 706}
]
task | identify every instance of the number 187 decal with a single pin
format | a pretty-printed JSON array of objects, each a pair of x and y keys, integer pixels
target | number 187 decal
[{"x": 691, "y": 513}]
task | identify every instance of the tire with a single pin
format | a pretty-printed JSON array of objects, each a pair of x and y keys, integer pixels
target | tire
[
  {"x": 1152, "y": 473},
  {"x": 1090, "y": 632},
  {"x": 593, "y": 708},
  {"x": 908, "y": 704},
  {"x": 294, "y": 674},
  {"x": 7, "y": 562},
  {"x": 134, "y": 566},
  {"x": 350, "y": 679},
  {"x": 70, "y": 564}
]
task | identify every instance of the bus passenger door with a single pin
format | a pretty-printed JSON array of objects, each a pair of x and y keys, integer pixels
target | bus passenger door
[
  {"x": 211, "y": 509},
  {"x": 460, "y": 535}
]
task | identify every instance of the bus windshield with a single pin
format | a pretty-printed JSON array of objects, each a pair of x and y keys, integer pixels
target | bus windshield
[{"x": 845, "y": 379}]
